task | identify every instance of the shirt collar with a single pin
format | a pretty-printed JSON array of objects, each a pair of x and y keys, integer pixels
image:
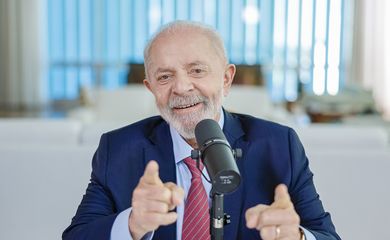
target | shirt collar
[{"x": 181, "y": 148}]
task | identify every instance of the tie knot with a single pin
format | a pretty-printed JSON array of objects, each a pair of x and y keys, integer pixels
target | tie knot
[{"x": 191, "y": 164}]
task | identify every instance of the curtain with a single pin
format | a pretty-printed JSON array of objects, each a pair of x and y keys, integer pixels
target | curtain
[
  {"x": 372, "y": 50},
  {"x": 22, "y": 53}
]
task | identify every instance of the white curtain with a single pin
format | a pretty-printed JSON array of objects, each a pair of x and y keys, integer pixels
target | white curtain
[
  {"x": 372, "y": 50},
  {"x": 22, "y": 53}
]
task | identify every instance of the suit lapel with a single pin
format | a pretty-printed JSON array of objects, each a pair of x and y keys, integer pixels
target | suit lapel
[
  {"x": 162, "y": 151},
  {"x": 232, "y": 202}
]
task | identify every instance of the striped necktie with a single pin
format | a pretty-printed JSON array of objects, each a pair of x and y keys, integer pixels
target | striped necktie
[{"x": 196, "y": 222}]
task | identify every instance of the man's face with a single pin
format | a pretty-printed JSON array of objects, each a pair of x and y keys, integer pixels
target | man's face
[{"x": 188, "y": 79}]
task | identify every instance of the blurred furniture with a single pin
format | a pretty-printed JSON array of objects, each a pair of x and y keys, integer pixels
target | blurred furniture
[
  {"x": 33, "y": 131},
  {"x": 91, "y": 132},
  {"x": 255, "y": 101},
  {"x": 352, "y": 100},
  {"x": 249, "y": 75},
  {"x": 127, "y": 104},
  {"x": 136, "y": 73},
  {"x": 340, "y": 136},
  {"x": 134, "y": 102}
]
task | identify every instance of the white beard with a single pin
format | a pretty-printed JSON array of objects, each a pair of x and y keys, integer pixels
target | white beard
[{"x": 185, "y": 124}]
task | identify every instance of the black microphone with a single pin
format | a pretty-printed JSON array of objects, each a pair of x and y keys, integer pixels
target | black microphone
[{"x": 217, "y": 156}]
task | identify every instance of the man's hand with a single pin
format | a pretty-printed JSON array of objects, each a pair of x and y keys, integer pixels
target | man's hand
[
  {"x": 152, "y": 202},
  {"x": 277, "y": 221}
]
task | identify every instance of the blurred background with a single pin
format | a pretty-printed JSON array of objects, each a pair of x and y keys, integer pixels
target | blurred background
[{"x": 71, "y": 70}]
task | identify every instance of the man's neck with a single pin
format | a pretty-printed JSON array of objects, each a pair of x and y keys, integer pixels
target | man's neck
[{"x": 192, "y": 142}]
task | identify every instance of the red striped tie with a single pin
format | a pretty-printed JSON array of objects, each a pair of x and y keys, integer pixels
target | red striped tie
[{"x": 196, "y": 223}]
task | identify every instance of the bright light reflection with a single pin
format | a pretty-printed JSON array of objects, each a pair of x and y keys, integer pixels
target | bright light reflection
[
  {"x": 154, "y": 17},
  {"x": 333, "y": 81},
  {"x": 319, "y": 69},
  {"x": 320, "y": 48},
  {"x": 319, "y": 83},
  {"x": 306, "y": 24},
  {"x": 279, "y": 25},
  {"x": 292, "y": 24},
  {"x": 251, "y": 15},
  {"x": 332, "y": 84},
  {"x": 319, "y": 55}
]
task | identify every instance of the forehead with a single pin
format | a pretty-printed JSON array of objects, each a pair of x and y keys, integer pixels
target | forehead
[{"x": 181, "y": 48}]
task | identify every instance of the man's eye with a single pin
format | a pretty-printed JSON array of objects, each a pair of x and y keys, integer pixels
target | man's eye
[
  {"x": 163, "y": 77},
  {"x": 197, "y": 71}
]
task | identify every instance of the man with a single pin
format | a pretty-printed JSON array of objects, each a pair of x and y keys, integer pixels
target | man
[{"x": 142, "y": 173}]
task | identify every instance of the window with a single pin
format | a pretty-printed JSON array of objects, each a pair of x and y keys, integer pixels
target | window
[{"x": 298, "y": 42}]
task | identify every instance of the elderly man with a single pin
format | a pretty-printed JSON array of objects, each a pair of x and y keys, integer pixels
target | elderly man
[{"x": 145, "y": 186}]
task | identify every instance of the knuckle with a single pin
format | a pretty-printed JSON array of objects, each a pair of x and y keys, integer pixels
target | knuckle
[
  {"x": 166, "y": 194},
  {"x": 165, "y": 208},
  {"x": 180, "y": 192},
  {"x": 264, "y": 217},
  {"x": 250, "y": 212},
  {"x": 162, "y": 207},
  {"x": 171, "y": 207}
]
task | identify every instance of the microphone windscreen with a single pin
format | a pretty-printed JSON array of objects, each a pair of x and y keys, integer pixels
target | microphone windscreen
[{"x": 206, "y": 130}]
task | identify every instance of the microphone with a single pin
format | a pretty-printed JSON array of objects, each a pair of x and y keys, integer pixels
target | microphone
[{"x": 217, "y": 156}]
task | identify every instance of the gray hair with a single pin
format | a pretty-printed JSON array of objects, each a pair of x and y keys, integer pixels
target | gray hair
[{"x": 180, "y": 25}]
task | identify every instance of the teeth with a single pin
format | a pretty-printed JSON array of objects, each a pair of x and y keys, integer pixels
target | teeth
[{"x": 186, "y": 106}]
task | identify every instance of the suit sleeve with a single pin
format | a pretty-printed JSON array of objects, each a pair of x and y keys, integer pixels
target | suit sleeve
[
  {"x": 96, "y": 212},
  {"x": 304, "y": 195}
]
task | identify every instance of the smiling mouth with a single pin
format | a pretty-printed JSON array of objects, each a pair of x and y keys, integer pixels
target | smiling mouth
[{"x": 186, "y": 106}]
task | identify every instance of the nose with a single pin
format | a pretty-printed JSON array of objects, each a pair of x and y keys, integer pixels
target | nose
[{"x": 183, "y": 84}]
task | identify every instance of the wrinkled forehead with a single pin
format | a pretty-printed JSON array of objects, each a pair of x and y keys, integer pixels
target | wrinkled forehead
[{"x": 185, "y": 45}]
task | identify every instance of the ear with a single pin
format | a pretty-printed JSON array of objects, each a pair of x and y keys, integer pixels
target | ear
[
  {"x": 147, "y": 85},
  {"x": 228, "y": 78}
]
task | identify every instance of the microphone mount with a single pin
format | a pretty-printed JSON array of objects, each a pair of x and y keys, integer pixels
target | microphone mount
[
  {"x": 218, "y": 218},
  {"x": 196, "y": 154}
]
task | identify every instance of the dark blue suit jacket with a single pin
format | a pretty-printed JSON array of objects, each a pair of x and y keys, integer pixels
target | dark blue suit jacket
[{"x": 272, "y": 154}]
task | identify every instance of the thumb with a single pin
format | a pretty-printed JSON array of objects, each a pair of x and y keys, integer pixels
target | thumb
[
  {"x": 151, "y": 174},
  {"x": 282, "y": 198}
]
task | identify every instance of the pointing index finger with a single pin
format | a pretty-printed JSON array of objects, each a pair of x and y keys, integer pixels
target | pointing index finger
[
  {"x": 282, "y": 198},
  {"x": 151, "y": 175}
]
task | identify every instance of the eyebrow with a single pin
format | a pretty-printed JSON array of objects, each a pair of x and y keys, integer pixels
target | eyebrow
[
  {"x": 196, "y": 63},
  {"x": 170, "y": 70},
  {"x": 163, "y": 70}
]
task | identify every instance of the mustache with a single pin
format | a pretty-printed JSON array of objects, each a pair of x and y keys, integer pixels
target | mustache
[{"x": 178, "y": 101}]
